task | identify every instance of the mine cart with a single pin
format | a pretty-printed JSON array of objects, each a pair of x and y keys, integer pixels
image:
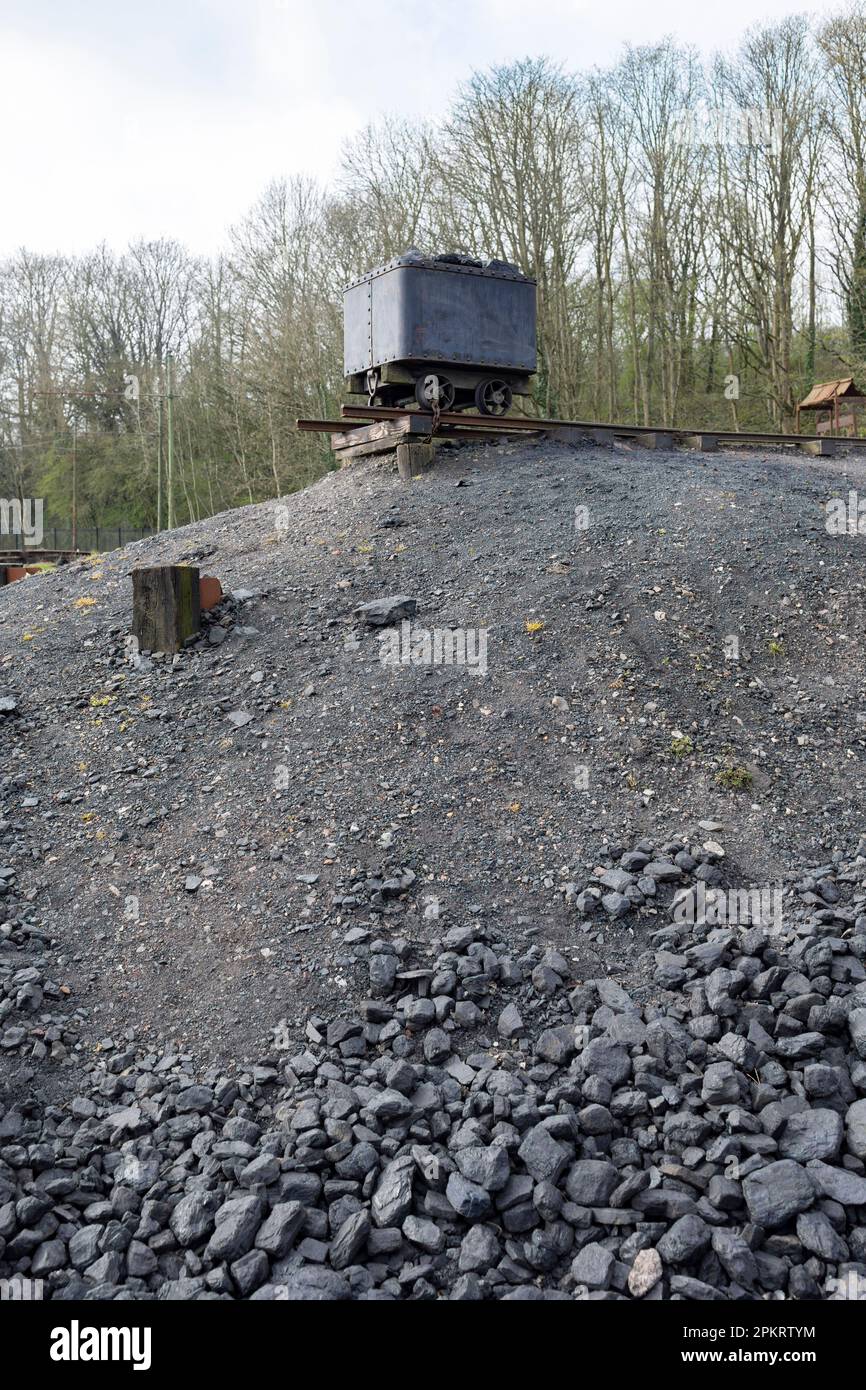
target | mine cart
[{"x": 440, "y": 332}]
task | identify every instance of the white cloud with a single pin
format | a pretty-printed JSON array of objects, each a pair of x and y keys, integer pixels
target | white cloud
[{"x": 169, "y": 119}]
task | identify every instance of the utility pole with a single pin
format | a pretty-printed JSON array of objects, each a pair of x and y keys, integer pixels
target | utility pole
[
  {"x": 159, "y": 462},
  {"x": 74, "y": 488},
  {"x": 170, "y": 458}
]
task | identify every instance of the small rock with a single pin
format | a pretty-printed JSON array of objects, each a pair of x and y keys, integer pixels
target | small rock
[{"x": 645, "y": 1272}]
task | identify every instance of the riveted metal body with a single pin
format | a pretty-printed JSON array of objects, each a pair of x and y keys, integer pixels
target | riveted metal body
[{"x": 419, "y": 312}]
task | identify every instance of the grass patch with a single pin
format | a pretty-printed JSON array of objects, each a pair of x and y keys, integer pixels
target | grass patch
[{"x": 735, "y": 779}]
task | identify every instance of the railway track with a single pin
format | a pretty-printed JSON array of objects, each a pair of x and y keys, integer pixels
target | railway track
[
  {"x": 38, "y": 557},
  {"x": 365, "y": 429}
]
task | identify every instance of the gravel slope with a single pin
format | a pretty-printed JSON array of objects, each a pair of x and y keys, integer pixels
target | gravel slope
[
  {"x": 211, "y": 860},
  {"x": 348, "y": 767}
]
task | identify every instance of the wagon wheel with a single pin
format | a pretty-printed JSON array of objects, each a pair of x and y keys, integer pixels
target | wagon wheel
[
  {"x": 434, "y": 392},
  {"x": 493, "y": 397}
]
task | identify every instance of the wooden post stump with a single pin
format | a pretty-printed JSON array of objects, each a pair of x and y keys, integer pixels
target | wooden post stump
[
  {"x": 412, "y": 459},
  {"x": 166, "y": 606}
]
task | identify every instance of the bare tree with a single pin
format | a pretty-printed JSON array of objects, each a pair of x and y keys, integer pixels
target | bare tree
[
  {"x": 768, "y": 182},
  {"x": 842, "y": 42},
  {"x": 512, "y": 159}
]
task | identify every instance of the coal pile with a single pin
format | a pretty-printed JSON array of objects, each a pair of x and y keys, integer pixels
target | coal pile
[{"x": 484, "y": 1126}]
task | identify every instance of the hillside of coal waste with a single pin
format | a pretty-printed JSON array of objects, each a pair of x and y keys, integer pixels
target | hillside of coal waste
[{"x": 333, "y": 968}]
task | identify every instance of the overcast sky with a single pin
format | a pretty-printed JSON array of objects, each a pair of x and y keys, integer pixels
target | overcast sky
[{"x": 168, "y": 117}]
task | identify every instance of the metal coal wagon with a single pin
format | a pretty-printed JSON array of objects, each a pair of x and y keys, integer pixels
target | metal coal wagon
[{"x": 440, "y": 332}]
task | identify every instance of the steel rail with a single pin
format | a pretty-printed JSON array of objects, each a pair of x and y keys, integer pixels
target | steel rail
[
  {"x": 446, "y": 424},
  {"x": 517, "y": 423}
]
